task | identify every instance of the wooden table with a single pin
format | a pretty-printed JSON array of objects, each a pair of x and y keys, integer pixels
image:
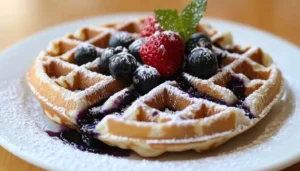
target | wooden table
[{"x": 21, "y": 18}]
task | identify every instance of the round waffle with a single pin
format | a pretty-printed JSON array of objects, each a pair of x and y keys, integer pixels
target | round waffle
[{"x": 187, "y": 113}]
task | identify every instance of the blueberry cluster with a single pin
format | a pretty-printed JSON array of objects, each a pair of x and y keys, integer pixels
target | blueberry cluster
[{"x": 121, "y": 59}]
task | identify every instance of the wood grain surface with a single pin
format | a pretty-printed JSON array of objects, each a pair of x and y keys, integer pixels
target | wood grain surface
[{"x": 22, "y": 18}]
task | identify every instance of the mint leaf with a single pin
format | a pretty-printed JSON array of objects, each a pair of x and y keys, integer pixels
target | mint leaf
[
  {"x": 168, "y": 19},
  {"x": 186, "y": 23},
  {"x": 191, "y": 16}
]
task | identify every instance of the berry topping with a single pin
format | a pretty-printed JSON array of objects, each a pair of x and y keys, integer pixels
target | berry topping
[
  {"x": 150, "y": 26},
  {"x": 106, "y": 55},
  {"x": 198, "y": 40},
  {"x": 85, "y": 53},
  {"x": 163, "y": 51},
  {"x": 135, "y": 47},
  {"x": 145, "y": 78},
  {"x": 121, "y": 38},
  {"x": 202, "y": 63},
  {"x": 122, "y": 66}
]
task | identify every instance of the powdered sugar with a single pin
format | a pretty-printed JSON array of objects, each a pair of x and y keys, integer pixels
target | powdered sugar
[
  {"x": 58, "y": 109},
  {"x": 157, "y": 26},
  {"x": 111, "y": 102},
  {"x": 162, "y": 49},
  {"x": 124, "y": 58},
  {"x": 146, "y": 72},
  {"x": 251, "y": 150},
  {"x": 156, "y": 33},
  {"x": 167, "y": 34},
  {"x": 87, "y": 47},
  {"x": 169, "y": 111},
  {"x": 171, "y": 35},
  {"x": 123, "y": 36},
  {"x": 21, "y": 119}
]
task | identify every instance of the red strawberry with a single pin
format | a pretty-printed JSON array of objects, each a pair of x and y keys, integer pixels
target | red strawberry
[
  {"x": 163, "y": 51},
  {"x": 150, "y": 26}
]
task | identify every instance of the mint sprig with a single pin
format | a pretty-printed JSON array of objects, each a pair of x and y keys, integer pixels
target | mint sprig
[{"x": 186, "y": 23}]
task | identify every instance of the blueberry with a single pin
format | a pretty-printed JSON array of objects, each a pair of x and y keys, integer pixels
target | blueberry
[
  {"x": 198, "y": 40},
  {"x": 121, "y": 38},
  {"x": 122, "y": 66},
  {"x": 145, "y": 78},
  {"x": 202, "y": 63},
  {"x": 134, "y": 48},
  {"x": 106, "y": 55},
  {"x": 85, "y": 53}
]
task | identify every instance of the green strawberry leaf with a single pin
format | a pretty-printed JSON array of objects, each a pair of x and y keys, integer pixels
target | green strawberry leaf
[{"x": 186, "y": 23}]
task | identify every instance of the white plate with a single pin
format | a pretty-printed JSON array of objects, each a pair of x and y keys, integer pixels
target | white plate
[{"x": 271, "y": 145}]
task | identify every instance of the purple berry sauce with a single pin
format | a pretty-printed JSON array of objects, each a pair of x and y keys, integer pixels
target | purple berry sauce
[
  {"x": 84, "y": 138},
  {"x": 237, "y": 86},
  {"x": 85, "y": 142},
  {"x": 186, "y": 86}
]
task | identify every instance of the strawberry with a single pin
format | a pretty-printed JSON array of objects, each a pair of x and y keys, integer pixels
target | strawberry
[
  {"x": 150, "y": 26},
  {"x": 163, "y": 51}
]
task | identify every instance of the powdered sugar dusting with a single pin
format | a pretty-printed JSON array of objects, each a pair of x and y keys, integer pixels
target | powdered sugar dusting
[
  {"x": 168, "y": 164},
  {"x": 171, "y": 35},
  {"x": 124, "y": 36},
  {"x": 146, "y": 72},
  {"x": 124, "y": 58},
  {"x": 169, "y": 32},
  {"x": 162, "y": 49},
  {"x": 156, "y": 33},
  {"x": 22, "y": 125},
  {"x": 58, "y": 109},
  {"x": 169, "y": 111},
  {"x": 21, "y": 128},
  {"x": 157, "y": 26},
  {"x": 89, "y": 48}
]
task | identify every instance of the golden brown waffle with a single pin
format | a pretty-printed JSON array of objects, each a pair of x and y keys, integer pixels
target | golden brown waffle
[{"x": 201, "y": 121}]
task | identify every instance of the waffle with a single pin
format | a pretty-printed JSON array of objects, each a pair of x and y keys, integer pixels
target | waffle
[{"x": 184, "y": 114}]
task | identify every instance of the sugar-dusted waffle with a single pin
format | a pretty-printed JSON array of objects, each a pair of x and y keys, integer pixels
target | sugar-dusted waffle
[{"x": 182, "y": 114}]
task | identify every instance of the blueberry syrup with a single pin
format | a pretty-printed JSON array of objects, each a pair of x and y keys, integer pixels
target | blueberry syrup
[
  {"x": 88, "y": 119},
  {"x": 237, "y": 86},
  {"x": 154, "y": 113},
  {"x": 186, "y": 86},
  {"x": 127, "y": 98},
  {"x": 84, "y": 138},
  {"x": 241, "y": 105},
  {"x": 85, "y": 142}
]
